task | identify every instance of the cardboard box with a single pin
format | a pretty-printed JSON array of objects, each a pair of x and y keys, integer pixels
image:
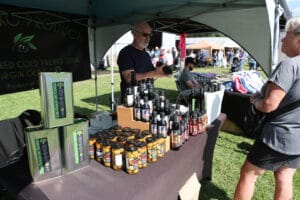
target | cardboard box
[{"x": 126, "y": 119}]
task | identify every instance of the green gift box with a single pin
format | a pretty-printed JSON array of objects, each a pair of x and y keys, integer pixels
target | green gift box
[
  {"x": 56, "y": 99},
  {"x": 44, "y": 155}
]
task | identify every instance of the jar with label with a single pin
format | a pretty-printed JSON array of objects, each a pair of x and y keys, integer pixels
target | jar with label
[
  {"x": 160, "y": 141},
  {"x": 151, "y": 150},
  {"x": 117, "y": 156},
  {"x": 106, "y": 151},
  {"x": 99, "y": 155},
  {"x": 142, "y": 149},
  {"x": 132, "y": 159},
  {"x": 92, "y": 142}
]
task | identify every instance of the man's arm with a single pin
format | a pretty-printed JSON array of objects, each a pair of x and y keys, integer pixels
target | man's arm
[{"x": 158, "y": 72}]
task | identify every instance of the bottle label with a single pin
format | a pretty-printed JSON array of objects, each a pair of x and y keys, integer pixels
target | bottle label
[
  {"x": 43, "y": 155},
  {"x": 130, "y": 100},
  {"x": 137, "y": 114},
  {"x": 154, "y": 129},
  {"x": 145, "y": 115},
  {"x": 118, "y": 160},
  {"x": 59, "y": 100},
  {"x": 78, "y": 146},
  {"x": 163, "y": 130}
]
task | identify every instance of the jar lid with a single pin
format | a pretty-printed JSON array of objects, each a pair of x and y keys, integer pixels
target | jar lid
[
  {"x": 136, "y": 131},
  {"x": 116, "y": 145},
  {"x": 149, "y": 139},
  {"x": 121, "y": 139},
  {"x": 126, "y": 129},
  {"x": 140, "y": 143},
  {"x": 131, "y": 148},
  {"x": 139, "y": 136}
]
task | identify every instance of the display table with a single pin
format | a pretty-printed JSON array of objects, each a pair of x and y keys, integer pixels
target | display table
[{"x": 160, "y": 180}]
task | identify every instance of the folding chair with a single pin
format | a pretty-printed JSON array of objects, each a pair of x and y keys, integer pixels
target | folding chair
[{"x": 183, "y": 95}]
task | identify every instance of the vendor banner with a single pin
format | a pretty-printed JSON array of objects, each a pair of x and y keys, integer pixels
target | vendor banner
[{"x": 33, "y": 43}]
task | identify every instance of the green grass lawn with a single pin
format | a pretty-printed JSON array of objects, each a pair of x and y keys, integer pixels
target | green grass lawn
[{"x": 230, "y": 151}]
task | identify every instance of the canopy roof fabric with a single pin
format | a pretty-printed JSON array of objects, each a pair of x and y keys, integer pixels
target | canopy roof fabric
[{"x": 249, "y": 22}]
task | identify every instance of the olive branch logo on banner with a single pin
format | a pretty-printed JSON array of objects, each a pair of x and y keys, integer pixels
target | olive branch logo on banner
[{"x": 23, "y": 44}]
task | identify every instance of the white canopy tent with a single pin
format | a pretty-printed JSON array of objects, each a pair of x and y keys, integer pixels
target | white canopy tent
[{"x": 251, "y": 23}]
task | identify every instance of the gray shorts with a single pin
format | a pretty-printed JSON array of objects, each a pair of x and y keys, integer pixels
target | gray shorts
[{"x": 264, "y": 157}]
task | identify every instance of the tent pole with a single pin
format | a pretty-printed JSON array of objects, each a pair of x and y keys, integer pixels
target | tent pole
[
  {"x": 112, "y": 80},
  {"x": 95, "y": 65}
]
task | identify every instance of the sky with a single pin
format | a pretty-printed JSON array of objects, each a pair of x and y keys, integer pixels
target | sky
[{"x": 294, "y": 6}]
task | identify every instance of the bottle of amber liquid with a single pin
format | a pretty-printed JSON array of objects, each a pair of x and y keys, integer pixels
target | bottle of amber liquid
[{"x": 176, "y": 140}]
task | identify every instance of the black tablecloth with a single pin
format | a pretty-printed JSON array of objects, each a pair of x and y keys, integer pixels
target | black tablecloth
[
  {"x": 160, "y": 180},
  {"x": 235, "y": 105}
]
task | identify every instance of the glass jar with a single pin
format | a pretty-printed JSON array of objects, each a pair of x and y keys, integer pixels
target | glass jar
[
  {"x": 142, "y": 149},
  {"x": 160, "y": 142},
  {"x": 92, "y": 142},
  {"x": 99, "y": 155},
  {"x": 106, "y": 150},
  {"x": 117, "y": 156},
  {"x": 132, "y": 159},
  {"x": 151, "y": 150}
]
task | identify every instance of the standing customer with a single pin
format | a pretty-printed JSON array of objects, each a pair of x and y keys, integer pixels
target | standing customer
[
  {"x": 277, "y": 149},
  {"x": 135, "y": 58}
]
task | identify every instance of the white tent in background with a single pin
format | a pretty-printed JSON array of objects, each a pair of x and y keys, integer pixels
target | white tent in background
[{"x": 224, "y": 42}]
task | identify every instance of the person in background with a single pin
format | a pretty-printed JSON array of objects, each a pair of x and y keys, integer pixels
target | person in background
[
  {"x": 135, "y": 58},
  {"x": 215, "y": 58},
  {"x": 186, "y": 79},
  {"x": 243, "y": 57},
  {"x": 277, "y": 149},
  {"x": 252, "y": 63},
  {"x": 202, "y": 58},
  {"x": 169, "y": 58},
  {"x": 236, "y": 65}
]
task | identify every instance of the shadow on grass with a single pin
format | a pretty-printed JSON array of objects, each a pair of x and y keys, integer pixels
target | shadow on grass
[
  {"x": 244, "y": 147},
  {"x": 210, "y": 191}
]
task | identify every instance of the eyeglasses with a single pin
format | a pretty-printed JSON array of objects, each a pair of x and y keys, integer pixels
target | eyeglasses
[{"x": 144, "y": 34}]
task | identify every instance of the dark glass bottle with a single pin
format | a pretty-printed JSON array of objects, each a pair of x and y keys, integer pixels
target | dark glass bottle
[
  {"x": 134, "y": 83},
  {"x": 145, "y": 110},
  {"x": 193, "y": 124},
  {"x": 129, "y": 97},
  {"x": 176, "y": 140},
  {"x": 162, "y": 125},
  {"x": 153, "y": 124},
  {"x": 137, "y": 109}
]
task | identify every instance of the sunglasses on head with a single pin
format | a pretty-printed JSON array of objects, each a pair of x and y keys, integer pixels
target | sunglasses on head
[{"x": 144, "y": 34}]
